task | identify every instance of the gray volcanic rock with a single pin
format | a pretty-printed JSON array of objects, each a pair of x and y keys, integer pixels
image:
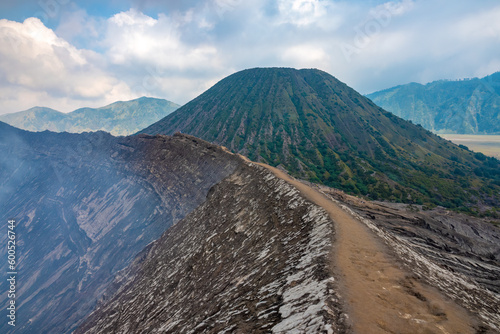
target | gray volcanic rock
[
  {"x": 254, "y": 258},
  {"x": 85, "y": 206}
]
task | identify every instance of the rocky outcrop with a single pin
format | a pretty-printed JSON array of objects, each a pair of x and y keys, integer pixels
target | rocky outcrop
[{"x": 253, "y": 258}]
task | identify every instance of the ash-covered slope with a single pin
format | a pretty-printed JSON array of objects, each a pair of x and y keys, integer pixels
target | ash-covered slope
[
  {"x": 85, "y": 206},
  {"x": 320, "y": 129},
  {"x": 257, "y": 257},
  {"x": 254, "y": 258}
]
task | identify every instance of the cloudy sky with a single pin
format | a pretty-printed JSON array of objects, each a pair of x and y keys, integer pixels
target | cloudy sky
[{"x": 68, "y": 54}]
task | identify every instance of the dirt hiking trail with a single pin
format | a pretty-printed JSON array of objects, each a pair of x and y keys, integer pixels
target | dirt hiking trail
[{"x": 381, "y": 297}]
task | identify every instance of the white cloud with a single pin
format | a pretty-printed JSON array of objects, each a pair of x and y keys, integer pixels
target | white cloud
[
  {"x": 301, "y": 12},
  {"x": 164, "y": 62},
  {"x": 306, "y": 55},
  {"x": 190, "y": 45},
  {"x": 37, "y": 63},
  {"x": 132, "y": 18},
  {"x": 421, "y": 42},
  {"x": 135, "y": 37}
]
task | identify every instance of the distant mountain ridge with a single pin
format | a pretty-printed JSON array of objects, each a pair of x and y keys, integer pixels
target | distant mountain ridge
[
  {"x": 119, "y": 118},
  {"x": 469, "y": 106},
  {"x": 320, "y": 129}
]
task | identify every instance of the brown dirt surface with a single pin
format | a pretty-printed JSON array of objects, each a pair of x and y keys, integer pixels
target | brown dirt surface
[{"x": 381, "y": 296}]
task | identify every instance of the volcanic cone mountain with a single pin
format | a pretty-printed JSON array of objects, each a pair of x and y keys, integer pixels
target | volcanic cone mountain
[{"x": 320, "y": 129}]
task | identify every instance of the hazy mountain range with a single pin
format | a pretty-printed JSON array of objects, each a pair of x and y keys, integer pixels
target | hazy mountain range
[
  {"x": 320, "y": 129},
  {"x": 119, "y": 118},
  {"x": 469, "y": 106}
]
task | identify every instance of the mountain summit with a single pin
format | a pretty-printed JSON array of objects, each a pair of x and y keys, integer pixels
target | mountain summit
[{"x": 320, "y": 129}]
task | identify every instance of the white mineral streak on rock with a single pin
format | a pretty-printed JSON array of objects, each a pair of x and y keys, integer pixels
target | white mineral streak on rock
[
  {"x": 94, "y": 209},
  {"x": 304, "y": 296}
]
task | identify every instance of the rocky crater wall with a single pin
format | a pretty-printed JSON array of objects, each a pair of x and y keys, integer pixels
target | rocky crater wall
[
  {"x": 253, "y": 258},
  {"x": 85, "y": 206}
]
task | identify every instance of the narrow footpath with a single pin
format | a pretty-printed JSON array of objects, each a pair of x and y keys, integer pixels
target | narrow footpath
[{"x": 381, "y": 297}]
